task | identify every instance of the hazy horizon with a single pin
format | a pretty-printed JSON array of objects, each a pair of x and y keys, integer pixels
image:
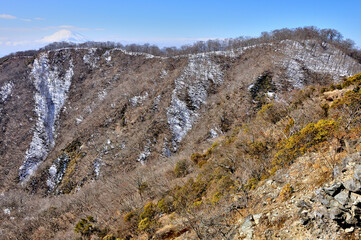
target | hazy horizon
[{"x": 30, "y": 25}]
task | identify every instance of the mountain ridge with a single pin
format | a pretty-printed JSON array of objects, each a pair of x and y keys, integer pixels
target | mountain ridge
[{"x": 94, "y": 113}]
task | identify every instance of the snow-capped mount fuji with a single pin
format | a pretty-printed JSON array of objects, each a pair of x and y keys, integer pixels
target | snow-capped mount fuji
[{"x": 65, "y": 35}]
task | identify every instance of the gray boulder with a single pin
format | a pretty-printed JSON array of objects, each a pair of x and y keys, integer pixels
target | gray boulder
[
  {"x": 247, "y": 229},
  {"x": 355, "y": 199},
  {"x": 343, "y": 197},
  {"x": 350, "y": 219},
  {"x": 357, "y": 172},
  {"x": 336, "y": 214},
  {"x": 353, "y": 185},
  {"x": 334, "y": 189}
]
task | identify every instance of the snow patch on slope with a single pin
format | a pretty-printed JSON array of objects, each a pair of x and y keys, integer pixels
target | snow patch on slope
[
  {"x": 50, "y": 96},
  {"x": 309, "y": 55},
  {"x": 102, "y": 95},
  {"x": 97, "y": 165},
  {"x": 190, "y": 93},
  {"x": 90, "y": 57},
  {"x": 5, "y": 91},
  {"x": 165, "y": 149},
  {"x": 134, "y": 101},
  {"x": 57, "y": 171},
  {"x": 144, "y": 155}
]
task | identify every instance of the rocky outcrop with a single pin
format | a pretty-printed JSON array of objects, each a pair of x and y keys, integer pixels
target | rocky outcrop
[
  {"x": 5, "y": 93},
  {"x": 191, "y": 91},
  {"x": 52, "y": 86},
  {"x": 310, "y": 56},
  {"x": 340, "y": 202}
]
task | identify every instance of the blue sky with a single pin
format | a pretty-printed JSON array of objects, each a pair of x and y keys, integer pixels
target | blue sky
[{"x": 28, "y": 24}]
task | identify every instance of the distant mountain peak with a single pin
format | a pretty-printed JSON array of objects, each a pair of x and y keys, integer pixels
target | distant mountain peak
[{"x": 65, "y": 35}]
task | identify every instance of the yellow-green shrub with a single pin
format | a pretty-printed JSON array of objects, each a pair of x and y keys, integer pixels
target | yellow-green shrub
[
  {"x": 299, "y": 143},
  {"x": 256, "y": 148},
  {"x": 190, "y": 192},
  {"x": 216, "y": 197},
  {"x": 271, "y": 113},
  {"x": 165, "y": 205},
  {"x": 196, "y": 157},
  {"x": 354, "y": 80},
  {"x": 286, "y": 192},
  {"x": 146, "y": 224},
  {"x": 289, "y": 126},
  {"x": 181, "y": 168},
  {"x": 109, "y": 237},
  {"x": 348, "y": 108},
  {"x": 130, "y": 216},
  {"x": 149, "y": 211},
  {"x": 142, "y": 187},
  {"x": 85, "y": 226},
  {"x": 252, "y": 183}
]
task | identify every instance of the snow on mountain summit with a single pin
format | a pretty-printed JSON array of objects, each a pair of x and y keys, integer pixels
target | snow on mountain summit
[{"x": 64, "y": 35}]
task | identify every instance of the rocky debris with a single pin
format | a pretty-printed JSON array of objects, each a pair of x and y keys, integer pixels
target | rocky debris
[
  {"x": 247, "y": 228},
  {"x": 144, "y": 155},
  {"x": 357, "y": 172},
  {"x": 353, "y": 185},
  {"x": 342, "y": 197},
  {"x": 257, "y": 217},
  {"x": 333, "y": 189},
  {"x": 341, "y": 200}
]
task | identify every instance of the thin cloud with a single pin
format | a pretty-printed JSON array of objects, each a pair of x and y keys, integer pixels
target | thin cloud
[
  {"x": 99, "y": 29},
  {"x": 20, "y": 29},
  {"x": 7, "y": 16},
  {"x": 25, "y": 19},
  {"x": 67, "y": 26},
  {"x": 30, "y": 29},
  {"x": 39, "y": 18},
  {"x": 17, "y": 43},
  {"x": 74, "y": 28}
]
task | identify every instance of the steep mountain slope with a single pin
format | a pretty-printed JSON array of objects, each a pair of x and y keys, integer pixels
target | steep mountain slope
[
  {"x": 73, "y": 116},
  {"x": 124, "y": 108}
]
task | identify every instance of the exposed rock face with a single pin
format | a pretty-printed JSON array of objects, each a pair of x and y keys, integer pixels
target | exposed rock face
[
  {"x": 146, "y": 106},
  {"x": 337, "y": 205},
  {"x": 311, "y": 56},
  {"x": 50, "y": 97},
  {"x": 57, "y": 170},
  {"x": 246, "y": 229},
  {"x": 190, "y": 93},
  {"x": 5, "y": 93},
  {"x": 334, "y": 189},
  {"x": 346, "y": 211}
]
